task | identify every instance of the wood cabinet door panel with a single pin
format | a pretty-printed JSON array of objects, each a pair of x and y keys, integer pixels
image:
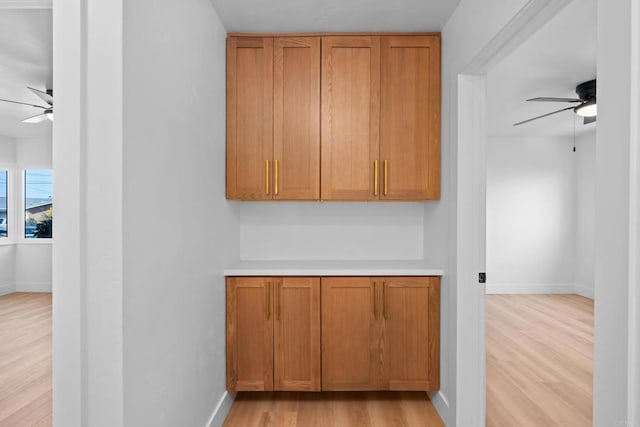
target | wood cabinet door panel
[
  {"x": 350, "y": 334},
  {"x": 249, "y": 117},
  {"x": 410, "y": 117},
  {"x": 249, "y": 334},
  {"x": 350, "y": 116},
  {"x": 411, "y": 333},
  {"x": 297, "y": 118},
  {"x": 297, "y": 334}
]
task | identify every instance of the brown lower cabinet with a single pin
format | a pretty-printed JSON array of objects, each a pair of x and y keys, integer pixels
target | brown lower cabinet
[
  {"x": 381, "y": 333},
  {"x": 378, "y": 333},
  {"x": 273, "y": 333}
]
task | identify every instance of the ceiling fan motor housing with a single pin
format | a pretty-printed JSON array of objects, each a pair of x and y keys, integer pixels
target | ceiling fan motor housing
[{"x": 586, "y": 91}]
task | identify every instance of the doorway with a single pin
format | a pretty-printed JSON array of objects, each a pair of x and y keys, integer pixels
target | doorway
[
  {"x": 616, "y": 311},
  {"x": 26, "y": 213},
  {"x": 540, "y": 240}
]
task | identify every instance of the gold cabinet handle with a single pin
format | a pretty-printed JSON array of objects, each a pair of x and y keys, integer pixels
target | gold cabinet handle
[
  {"x": 267, "y": 169},
  {"x": 267, "y": 301},
  {"x": 375, "y": 300},
  {"x": 375, "y": 179},
  {"x": 278, "y": 285},
  {"x": 385, "y": 299},
  {"x": 386, "y": 176},
  {"x": 277, "y": 185}
]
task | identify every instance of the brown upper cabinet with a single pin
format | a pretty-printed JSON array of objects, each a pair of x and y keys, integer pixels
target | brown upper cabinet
[
  {"x": 410, "y": 117},
  {"x": 273, "y": 118},
  {"x": 337, "y": 117},
  {"x": 350, "y": 117},
  {"x": 249, "y": 117}
]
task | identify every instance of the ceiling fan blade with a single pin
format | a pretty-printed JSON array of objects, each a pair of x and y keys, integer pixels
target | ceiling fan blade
[
  {"x": 42, "y": 95},
  {"x": 24, "y": 103},
  {"x": 544, "y": 115},
  {"x": 546, "y": 99},
  {"x": 588, "y": 120},
  {"x": 35, "y": 119}
]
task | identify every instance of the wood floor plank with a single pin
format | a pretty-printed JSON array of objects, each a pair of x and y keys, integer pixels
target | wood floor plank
[
  {"x": 333, "y": 409},
  {"x": 25, "y": 359},
  {"x": 539, "y": 360}
]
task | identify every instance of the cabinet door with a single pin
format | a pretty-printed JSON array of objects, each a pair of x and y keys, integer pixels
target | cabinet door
[
  {"x": 296, "y": 129},
  {"x": 410, "y": 117},
  {"x": 297, "y": 334},
  {"x": 411, "y": 312},
  {"x": 249, "y": 334},
  {"x": 350, "y": 117},
  {"x": 350, "y": 334},
  {"x": 249, "y": 117}
]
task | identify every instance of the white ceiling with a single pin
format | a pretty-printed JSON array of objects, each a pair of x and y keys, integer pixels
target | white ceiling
[
  {"x": 334, "y": 15},
  {"x": 551, "y": 63},
  {"x": 26, "y": 59}
]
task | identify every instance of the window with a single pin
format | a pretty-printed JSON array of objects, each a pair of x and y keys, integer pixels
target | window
[
  {"x": 38, "y": 204},
  {"x": 3, "y": 203}
]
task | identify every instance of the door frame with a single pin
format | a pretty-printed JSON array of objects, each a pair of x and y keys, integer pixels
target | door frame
[
  {"x": 633, "y": 387},
  {"x": 471, "y": 205},
  {"x": 471, "y": 209}
]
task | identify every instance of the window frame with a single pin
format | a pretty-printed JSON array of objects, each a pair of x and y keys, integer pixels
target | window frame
[
  {"x": 21, "y": 228},
  {"x": 8, "y": 239}
]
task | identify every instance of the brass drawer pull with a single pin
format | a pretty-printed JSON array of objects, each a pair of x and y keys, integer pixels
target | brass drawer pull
[
  {"x": 277, "y": 179},
  {"x": 267, "y": 169},
  {"x": 375, "y": 179},
  {"x": 386, "y": 177}
]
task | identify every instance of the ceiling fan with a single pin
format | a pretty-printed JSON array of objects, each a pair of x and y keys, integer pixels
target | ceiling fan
[
  {"x": 587, "y": 107},
  {"x": 47, "y": 114}
]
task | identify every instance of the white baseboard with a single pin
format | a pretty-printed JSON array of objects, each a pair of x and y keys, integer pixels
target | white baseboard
[
  {"x": 34, "y": 287},
  {"x": 441, "y": 403},
  {"x": 540, "y": 288},
  {"x": 221, "y": 411},
  {"x": 584, "y": 291},
  {"x": 7, "y": 289},
  {"x": 530, "y": 288}
]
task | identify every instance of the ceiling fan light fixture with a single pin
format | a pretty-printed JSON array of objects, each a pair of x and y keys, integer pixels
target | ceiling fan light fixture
[
  {"x": 590, "y": 109},
  {"x": 49, "y": 114}
]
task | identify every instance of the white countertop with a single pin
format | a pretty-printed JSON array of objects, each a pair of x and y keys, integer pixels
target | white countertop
[{"x": 332, "y": 268}]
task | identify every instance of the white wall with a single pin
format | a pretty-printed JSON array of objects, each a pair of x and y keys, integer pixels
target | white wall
[
  {"x": 7, "y": 269},
  {"x": 34, "y": 153},
  {"x": 585, "y": 223},
  {"x": 531, "y": 215},
  {"x": 331, "y": 231},
  {"x": 179, "y": 231},
  {"x": 33, "y": 267}
]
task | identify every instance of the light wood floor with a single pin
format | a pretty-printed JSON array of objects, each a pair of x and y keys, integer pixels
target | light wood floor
[
  {"x": 539, "y": 372},
  {"x": 539, "y": 360},
  {"x": 25, "y": 360},
  {"x": 344, "y": 409}
]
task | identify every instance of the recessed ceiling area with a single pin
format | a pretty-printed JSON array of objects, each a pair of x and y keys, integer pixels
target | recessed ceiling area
[
  {"x": 551, "y": 63},
  {"x": 334, "y": 15},
  {"x": 26, "y": 59}
]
